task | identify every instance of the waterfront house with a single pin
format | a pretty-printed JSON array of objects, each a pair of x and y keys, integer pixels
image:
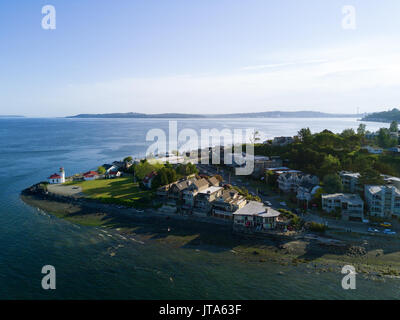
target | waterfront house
[
  {"x": 204, "y": 199},
  {"x": 255, "y": 216},
  {"x": 189, "y": 194},
  {"x": 57, "y": 178},
  {"x": 350, "y": 206},
  {"x": 90, "y": 175},
  {"x": 227, "y": 203},
  {"x": 383, "y": 201},
  {"x": 175, "y": 192}
]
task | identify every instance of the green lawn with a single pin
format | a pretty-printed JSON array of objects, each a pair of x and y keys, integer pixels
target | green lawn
[{"x": 119, "y": 191}]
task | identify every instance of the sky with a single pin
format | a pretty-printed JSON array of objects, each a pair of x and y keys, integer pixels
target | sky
[{"x": 198, "y": 56}]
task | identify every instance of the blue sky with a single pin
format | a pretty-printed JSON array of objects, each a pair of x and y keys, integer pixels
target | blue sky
[{"x": 209, "y": 56}]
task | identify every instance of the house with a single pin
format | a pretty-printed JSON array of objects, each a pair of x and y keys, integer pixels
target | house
[
  {"x": 290, "y": 181},
  {"x": 373, "y": 150},
  {"x": 350, "y": 205},
  {"x": 350, "y": 181},
  {"x": 255, "y": 216},
  {"x": 306, "y": 192},
  {"x": 204, "y": 199},
  {"x": 227, "y": 203},
  {"x": 282, "y": 141},
  {"x": 90, "y": 175},
  {"x": 175, "y": 192},
  {"x": 57, "y": 178},
  {"x": 148, "y": 179},
  {"x": 189, "y": 194},
  {"x": 383, "y": 201},
  {"x": 111, "y": 174}
]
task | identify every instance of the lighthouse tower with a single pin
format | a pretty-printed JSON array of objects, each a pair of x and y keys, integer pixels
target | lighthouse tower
[{"x": 62, "y": 175}]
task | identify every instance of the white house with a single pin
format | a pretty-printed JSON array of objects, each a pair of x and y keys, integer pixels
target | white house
[
  {"x": 57, "y": 178},
  {"x": 255, "y": 215},
  {"x": 383, "y": 201},
  {"x": 90, "y": 175},
  {"x": 350, "y": 205}
]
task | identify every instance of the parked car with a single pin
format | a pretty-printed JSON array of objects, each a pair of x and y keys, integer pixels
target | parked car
[
  {"x": 386, "y": 224},
  {"x": 283, "y": 203},
  {"x": 267, "y": 203},
  {"x": 373, "y": 230},
  {"x": 389, "y": 231}
]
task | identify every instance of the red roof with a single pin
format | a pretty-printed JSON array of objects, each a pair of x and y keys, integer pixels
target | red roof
[
  {"x": 90, "y": 174},
  {"x": 55, "y": 176},
  {"x": 113, "y": 173}
]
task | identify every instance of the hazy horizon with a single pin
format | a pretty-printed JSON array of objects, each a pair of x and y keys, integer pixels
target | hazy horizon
[{"x": 203, "y": 57}]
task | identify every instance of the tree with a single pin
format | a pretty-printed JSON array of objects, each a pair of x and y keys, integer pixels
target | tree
[
  {"x": 143, "y": 168},
  {"x": 384, "y": 139},
  {"x": 128, "y": 159},
  {"x": 347, "y": 133},
  {"x": 361, "y": 130},
  {"x": 370, "y": 177},
  {"x": 305, "y": 135},
  {"x": 101, "y": 170},
  {"x": 332, "y": 183},
  {"x": 394, "y": 126},
  {"x": 330, "y": 164}
]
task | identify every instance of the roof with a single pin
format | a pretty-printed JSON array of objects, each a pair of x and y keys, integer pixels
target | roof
[
  {"x": 254, "y": 208},
  {"x": 55, "y": 176},
  {"x": 214, "y": 181},
  {"x": 201, "y": 184},
  {"x": 350, "y": 174},
  {"x": 355, "y": 198},
  {"x": 90, "y": 174},
  {"x": 211, "y": 190}
]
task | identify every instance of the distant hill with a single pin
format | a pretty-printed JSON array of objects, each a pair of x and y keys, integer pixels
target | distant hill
[
  {"x": 10, "y": 116},
  {"x": 385, "y": 116},
  {"x": 268, "y": 114}
]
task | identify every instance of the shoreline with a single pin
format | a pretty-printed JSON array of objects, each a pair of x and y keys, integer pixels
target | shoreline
[{"x": 202, "y": 233}]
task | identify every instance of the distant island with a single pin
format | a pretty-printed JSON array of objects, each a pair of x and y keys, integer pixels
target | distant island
[
  {"x": 268, "y": 114},
  {"x": 385, "y": 116},
  {"x": 11, "y": 116}
]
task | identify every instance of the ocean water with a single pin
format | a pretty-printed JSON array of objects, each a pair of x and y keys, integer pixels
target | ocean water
[{"x": 31, "y": 149}]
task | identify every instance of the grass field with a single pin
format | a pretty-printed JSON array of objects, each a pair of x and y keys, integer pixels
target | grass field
[{"x": 119, "y": 191}]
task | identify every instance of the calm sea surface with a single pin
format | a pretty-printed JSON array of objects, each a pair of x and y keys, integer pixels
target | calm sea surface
[{"x": 31, "y": 149}]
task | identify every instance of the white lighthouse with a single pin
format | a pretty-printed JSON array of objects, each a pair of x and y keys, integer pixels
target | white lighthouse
[
  {"x": 62, "y": 175},
  {"x": 57, "y": 178}
]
